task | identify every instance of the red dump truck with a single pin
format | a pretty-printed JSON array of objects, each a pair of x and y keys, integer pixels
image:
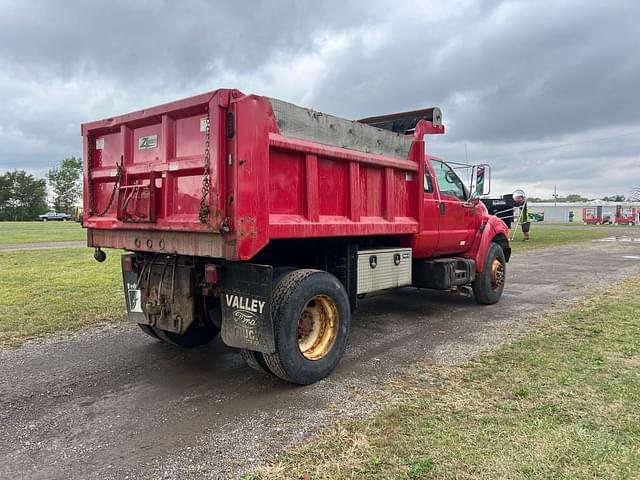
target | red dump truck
[{"x": 266, "y": 222}]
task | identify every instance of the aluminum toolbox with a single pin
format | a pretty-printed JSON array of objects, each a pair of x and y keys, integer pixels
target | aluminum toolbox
[{"x": 383, "y": 268}]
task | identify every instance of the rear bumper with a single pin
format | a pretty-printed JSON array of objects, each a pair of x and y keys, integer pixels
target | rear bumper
[{"x": 171, "y": 243}]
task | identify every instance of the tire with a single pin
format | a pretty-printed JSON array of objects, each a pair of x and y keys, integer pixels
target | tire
[
  {"x": 45, "y": 219},
  {"x": 195, "y": 336},
  {"x": 489, "y": 284},
  {"x": 254, "y": 359},
  {"x": 317, "y": 302},
  {"x": 148, "y": 329}
]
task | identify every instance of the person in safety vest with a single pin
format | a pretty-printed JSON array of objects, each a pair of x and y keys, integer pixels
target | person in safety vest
[{"x": 525, "y": 221}]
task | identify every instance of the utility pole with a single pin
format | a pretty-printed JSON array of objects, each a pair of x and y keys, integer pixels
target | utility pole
[{"x": 555, "y": 195}]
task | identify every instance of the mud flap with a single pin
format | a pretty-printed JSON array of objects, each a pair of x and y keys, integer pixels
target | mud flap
[
  {"x": 246, "y": 306},
  {"x": 132, "y": 295}
]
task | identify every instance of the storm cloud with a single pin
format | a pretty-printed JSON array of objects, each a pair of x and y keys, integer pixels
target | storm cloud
[{"x": 546, "y": 91}]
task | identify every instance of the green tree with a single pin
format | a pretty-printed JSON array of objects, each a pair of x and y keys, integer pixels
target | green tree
[
  {"x": 614, "y": 198},
  {"x": 575, "y": 197},
  {"x": 22, "y": 197},
  {"x": 66, "y": 183}
]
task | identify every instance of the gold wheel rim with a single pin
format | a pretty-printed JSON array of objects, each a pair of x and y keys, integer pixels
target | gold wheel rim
[
  {"x": 317, "y": 327},
  {"x": 497, "y": 274}
]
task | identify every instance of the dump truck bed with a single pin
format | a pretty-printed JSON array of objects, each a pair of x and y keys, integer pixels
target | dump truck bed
[{"x": 221, "y": 174}]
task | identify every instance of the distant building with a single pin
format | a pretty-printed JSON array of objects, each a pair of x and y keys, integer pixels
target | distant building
[{"x": 606, "y": 212}]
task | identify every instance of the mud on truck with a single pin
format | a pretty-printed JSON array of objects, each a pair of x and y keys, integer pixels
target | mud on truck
[{"x": 266, "y": 223}]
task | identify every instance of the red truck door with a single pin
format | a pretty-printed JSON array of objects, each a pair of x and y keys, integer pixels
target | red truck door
[
  {"x": 457, "y": 217},
  {"x": 425, "y": 243}
]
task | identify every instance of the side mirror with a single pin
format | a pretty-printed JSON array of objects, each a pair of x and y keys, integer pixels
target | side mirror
[
  {"x": 519, "y": 197},
  {"x": 480, "y": 181}
]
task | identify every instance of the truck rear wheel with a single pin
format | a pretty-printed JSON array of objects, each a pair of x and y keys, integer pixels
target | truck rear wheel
[
  {"x": 312, "y": 318},
  {"x": 489, "y": 284},
  {"x": 255, "y": 359},
  {"x": 195, "y": 336},
  {"x": 148, "y": 329}
]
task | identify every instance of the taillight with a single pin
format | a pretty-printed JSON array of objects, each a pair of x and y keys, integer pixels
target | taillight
[{"x": 212, "y": 273}]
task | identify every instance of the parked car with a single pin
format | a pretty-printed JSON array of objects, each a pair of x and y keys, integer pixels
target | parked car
[{"x": 61, "y": 217}]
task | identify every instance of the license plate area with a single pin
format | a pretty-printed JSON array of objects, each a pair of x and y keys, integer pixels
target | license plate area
[{"x": 133, "y": 296}]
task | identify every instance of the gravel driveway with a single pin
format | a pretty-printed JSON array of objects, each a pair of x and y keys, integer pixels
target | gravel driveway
[{"x": 111, "y": 402}]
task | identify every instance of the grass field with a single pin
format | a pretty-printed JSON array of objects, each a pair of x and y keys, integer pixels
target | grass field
[
  {"x": 559, "y": 403},
  {"x": 37, "y": 232},
  {"x": 546, "y": 236},
  {"x": 50, "y": 290}
]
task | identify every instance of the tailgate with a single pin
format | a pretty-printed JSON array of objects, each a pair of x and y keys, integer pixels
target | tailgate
[{"x": 158, "y": 169}]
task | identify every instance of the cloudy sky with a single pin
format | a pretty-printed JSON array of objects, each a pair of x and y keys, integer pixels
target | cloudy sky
[{"x": 547, "y": 92}]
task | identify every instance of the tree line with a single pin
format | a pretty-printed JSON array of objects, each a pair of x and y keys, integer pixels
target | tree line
[{"x": 24, "y": 197}]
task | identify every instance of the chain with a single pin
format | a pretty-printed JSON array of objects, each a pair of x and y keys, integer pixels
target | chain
[
  {"x": 89, "y": 169},
  {"x": 204, "y": 208},
  {"x": 116, "y": 184}
]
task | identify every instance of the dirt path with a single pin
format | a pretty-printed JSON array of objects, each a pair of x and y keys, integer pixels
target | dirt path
[
  {"x": 113, "y": 402},
  {"x": 42, "y": 245}
]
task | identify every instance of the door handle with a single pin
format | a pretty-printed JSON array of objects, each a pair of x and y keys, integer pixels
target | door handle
[{"x": 441, "y": 207}]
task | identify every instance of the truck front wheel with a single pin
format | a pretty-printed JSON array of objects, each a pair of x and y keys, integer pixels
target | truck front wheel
[
  {"x": 489, "y": 284},
  {"x": 312, "y": 318}
]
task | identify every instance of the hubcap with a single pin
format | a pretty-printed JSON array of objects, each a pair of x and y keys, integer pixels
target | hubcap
[
  {"x": 317, "y": 327},
  {"x": 497, "y": 274}
]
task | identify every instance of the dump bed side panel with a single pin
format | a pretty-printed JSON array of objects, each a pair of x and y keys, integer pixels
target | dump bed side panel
[
  {"x": 296, "y": 187},
  {"x": 321, "y": 191}
]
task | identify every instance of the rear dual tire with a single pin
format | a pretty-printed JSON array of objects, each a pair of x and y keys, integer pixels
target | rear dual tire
[
  {"x": 196, "y": 335},
  {"x": 193, "y": 337},
  {"x": 312, "y": 318}
]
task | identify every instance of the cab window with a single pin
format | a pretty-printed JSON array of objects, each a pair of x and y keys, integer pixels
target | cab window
[{"x": 448, "y": 182}]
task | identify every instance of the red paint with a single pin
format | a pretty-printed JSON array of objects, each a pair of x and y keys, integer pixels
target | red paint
[
  {"x": 267, "y": 186},
  {"x": 626, "y": 215}
]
